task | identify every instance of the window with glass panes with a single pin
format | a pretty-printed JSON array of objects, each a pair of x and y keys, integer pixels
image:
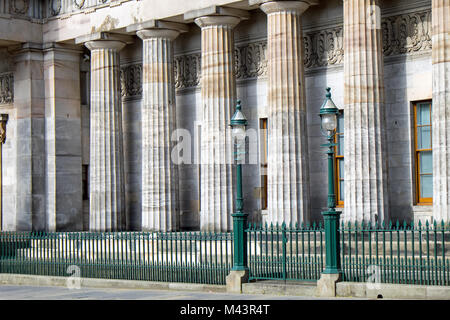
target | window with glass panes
[
  {"x": 339, "y": 160},
  {"x": 263, "y": 172},
  {"x": 423, "y": 152}
]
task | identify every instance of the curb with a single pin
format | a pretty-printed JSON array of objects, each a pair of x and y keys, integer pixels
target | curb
[
  {"x": 32, "y": 280},
  {"x": 392, "y": 291},
  {"x": 281, "y": 289}
]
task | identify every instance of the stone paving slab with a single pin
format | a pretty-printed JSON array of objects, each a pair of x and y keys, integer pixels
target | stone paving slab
[{"x": 18, "y": 292}]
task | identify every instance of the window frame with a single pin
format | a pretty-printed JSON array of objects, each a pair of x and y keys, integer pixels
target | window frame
[
  {"x": 418, "y": 200},
  {"x": 337, "y": 159},
  {"x": 263, "y": 126}
]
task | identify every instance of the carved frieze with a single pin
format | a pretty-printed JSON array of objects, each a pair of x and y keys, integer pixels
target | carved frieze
[
  {"x": 407, "y": 33},
  {"x": 250, "y": 60},
  {"x": 323, "y": 48},
  {"x": 79, "y": 3},
  {"x": 55, "y": 7},
  {"x": 131, "y": 80},
  {"x": 6, "y": 88},
  {"x": 19, "y": 6},
  {"x": 187, "y": 70},
  {"x": 402, "y": 34}
]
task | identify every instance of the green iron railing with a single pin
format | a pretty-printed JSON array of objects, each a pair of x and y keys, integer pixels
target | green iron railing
[
  {"x": 380, "y": 253},
  {"x": 396, "y": 253},
  {"x": 194, "y": 257},
  {"x": 286, "y": 252}
]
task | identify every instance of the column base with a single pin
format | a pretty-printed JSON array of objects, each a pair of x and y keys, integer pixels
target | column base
[
  {"x": 235, "y": 279},
  {"x": 326, "y": 286}
]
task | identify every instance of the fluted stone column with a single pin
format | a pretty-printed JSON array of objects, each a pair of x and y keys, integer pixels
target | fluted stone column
[
  {"x": 159, "y": 172},
  {"x": 441, "y": 107},
  {"x": 288, "y": 169},
  {"x": 218, "y": 91},
  {"x": 106, "y": 179},
  {"x": 366, "y": 193}
]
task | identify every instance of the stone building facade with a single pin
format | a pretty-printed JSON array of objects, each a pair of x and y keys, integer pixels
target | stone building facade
[{"x": 118, "y": 111}]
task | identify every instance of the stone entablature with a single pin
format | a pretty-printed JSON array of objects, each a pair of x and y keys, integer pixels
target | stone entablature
[
  {"x": 402, "y": 34},
  {"x": 22, "y": 8},
  {"x": 6, "y": 88},
  {"x": 58, "y": 7}
]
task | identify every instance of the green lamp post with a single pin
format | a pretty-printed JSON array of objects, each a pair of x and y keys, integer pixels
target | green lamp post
[
  {"x": 328, "y": 114},
  {"x": 238, "y": 123}
]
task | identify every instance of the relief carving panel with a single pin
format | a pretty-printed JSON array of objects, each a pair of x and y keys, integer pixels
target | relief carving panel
[
  {"x": 402, "y": 34},
  {"x": 6, "y": 88}
]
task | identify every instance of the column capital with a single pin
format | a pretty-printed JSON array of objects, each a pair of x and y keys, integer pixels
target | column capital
[
  {"x": 208, "y": 21},
  {"x": 158, "y": 24},
  {"x": 298, "y": 7},
  {"x": 104, "y": 40},
  {"x": 157, "y": 33},
  {"x": 104, "y": 44}
]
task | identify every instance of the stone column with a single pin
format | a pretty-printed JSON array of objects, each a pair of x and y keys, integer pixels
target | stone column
[
  {"x": 159, "y": 172},
  {"x": 106, "y": 179},
  {"x": 288, "y": 168},
  {"x": 29, "y": 118},
  {"x": 366, "y": 192},
  {"x": 218, "y": 91},
  {"x": 63, "y": 137},
  {"x": 441, "y": 105}
]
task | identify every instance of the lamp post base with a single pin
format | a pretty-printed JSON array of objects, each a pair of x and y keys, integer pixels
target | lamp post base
[
  {"x": 235, "y": 279},
  {"x": 326, "y": 286}
]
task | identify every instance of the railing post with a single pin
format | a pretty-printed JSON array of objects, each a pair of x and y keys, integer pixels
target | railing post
[{"x": 332, "y": 249}]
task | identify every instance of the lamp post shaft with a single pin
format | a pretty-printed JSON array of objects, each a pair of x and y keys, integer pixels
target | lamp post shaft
[
  {"x": 331, "y": 220},
  {"x": 331, "y": 195},
  {"x": 239, "y": 224}
]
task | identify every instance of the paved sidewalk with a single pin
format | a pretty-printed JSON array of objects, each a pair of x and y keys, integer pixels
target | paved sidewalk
[{"x": 23, "y": 292}]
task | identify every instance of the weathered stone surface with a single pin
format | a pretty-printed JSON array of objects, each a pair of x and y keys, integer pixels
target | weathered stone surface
[
  {"x": 159, "y": 172},
  {"x": 218, "y": 91},
  {"x": 326, "y": 286},
  {"x": 288, "y": 167},
  {"x": 441, "y": 104},
  {"x": 235, "y": 279},
  {"x": 63, "y": 138},
  {"x": 365, "y": 152},
  {"x": 29, "y": 211},
  {"x": 106, "y": 183}
]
